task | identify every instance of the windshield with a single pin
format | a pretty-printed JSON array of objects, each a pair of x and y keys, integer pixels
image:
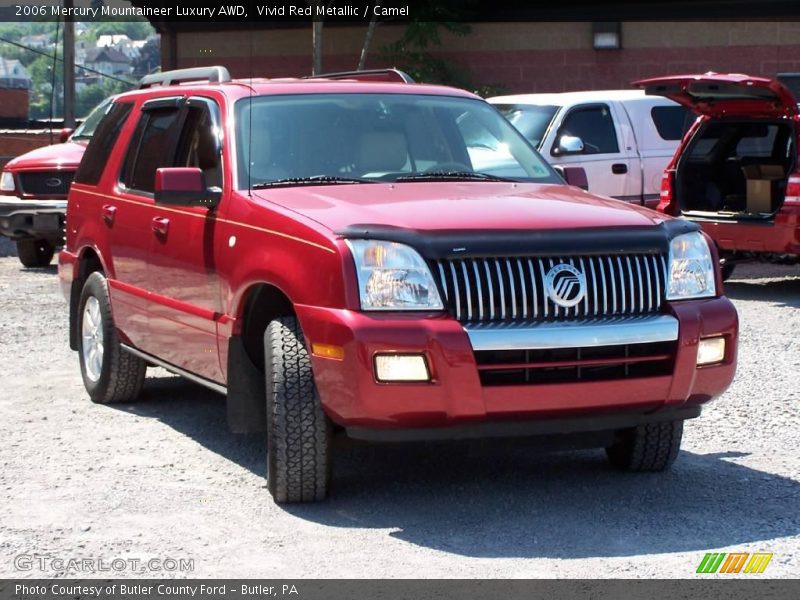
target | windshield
[
  {"x": 352, "y": 138},
  {"x": 86, "y": 129},
  {"x": 531, "y": 120}
]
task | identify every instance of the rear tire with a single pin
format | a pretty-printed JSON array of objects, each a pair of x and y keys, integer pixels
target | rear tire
[
  {"x": 647, "y": 448},
  {"x": 298, "y": 431},
  {"x": 35, "y": 253},
  {"x": 110, "y": 374}
]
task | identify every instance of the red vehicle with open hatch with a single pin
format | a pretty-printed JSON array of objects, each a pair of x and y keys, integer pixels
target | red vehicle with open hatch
[
  {"x": 360, "y": 253},
  {"x": 735, "y": 173}
]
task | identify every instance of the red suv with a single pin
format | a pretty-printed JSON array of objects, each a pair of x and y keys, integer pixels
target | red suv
[
  {"x": 33, "y": 193},
  {"x": 360, "y": 253},
  {"x": 736, "y": 171}
]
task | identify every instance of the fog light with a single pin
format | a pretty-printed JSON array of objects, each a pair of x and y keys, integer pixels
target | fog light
[
  {"x": 711, "y": 350},
  {"x": 401, "y": 367}
]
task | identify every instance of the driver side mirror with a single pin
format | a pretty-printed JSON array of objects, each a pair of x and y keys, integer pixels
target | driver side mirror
[
  {"x": 184, "y": 186},
  {"x": 570, "y": 144}
]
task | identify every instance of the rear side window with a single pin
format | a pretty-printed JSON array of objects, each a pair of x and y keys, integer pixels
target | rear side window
[
  {"x": 671, "y": 122},
  {"x": 595, "y": 126},
  {"x": 152, "y": 147},
  {"x": 103, "y": 140},
  {"x": 757, "y": 141}
]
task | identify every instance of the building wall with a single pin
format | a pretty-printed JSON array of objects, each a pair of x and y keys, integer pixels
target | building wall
[
  {"x": 14, "y": 103},
  {"x": 521, "y": 57},
  {"x": 14, "y": 142}
]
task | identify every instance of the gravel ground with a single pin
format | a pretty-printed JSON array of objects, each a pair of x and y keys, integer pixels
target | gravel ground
[{"x": 164, "y": 479}]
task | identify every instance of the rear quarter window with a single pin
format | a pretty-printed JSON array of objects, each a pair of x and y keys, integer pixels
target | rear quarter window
[
  {"x": 671, "y": 122},
  {"x": 105, "y": 136}
]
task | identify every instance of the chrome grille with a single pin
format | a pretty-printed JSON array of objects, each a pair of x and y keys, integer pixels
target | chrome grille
[
  {"x": 45, "y": 183},
  {"x": 513, "y": 288}
]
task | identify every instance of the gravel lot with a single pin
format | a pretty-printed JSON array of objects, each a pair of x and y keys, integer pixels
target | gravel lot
[{"x": 164, "y": 479}]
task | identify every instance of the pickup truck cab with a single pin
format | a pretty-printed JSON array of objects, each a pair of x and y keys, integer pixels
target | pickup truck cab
[
  {"x": 736, "y": 173},
  {"x": 33, "y": 193},
  {"x": 623, "y": 139},
  {"x": 359, "y": 254}
]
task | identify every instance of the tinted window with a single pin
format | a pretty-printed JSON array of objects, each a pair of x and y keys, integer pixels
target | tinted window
[
  {"x": 531, "y": 121},
  {"x": 595, "y": 126},
  {"x": 150, "y": 148},
  {"x": 671, "y": 121},
  {"x": 198, "y": 145},
  {"x": 105, "y": 136},
  {"x": 758, "y": 140}
]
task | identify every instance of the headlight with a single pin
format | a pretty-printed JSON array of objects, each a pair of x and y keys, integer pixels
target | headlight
[
  {"x": 393, "y": 277},
  {"x": 6, "y": 182},
  {"x": 691, "y": 270}
]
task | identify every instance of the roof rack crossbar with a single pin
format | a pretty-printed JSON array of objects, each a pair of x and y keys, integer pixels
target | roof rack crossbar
[
  {"x": 368, "y": 75},
  {"x": 214, "y": 74}
]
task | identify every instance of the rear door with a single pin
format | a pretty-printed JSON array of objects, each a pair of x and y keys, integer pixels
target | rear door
[
  {"x": 719, "y": 95},
  {"x": 604, "y": 156},
  {"x": 130, "y": 214}
]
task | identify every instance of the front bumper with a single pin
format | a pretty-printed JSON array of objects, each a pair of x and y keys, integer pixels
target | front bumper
[
  {"x": 456, "y": 397},
  {"x": 22, "y": 218}
]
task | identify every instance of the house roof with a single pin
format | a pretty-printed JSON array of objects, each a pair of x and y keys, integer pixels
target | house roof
[
  {"x": 95, "y": 55},
  {"x": 13, "y": 74}
]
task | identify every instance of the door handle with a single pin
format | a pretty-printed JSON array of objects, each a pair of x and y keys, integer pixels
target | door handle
[
  {"x": 109, "y": 211},
  {"x": 619, "y": 168},
  {"x": 160, "y": 225}
]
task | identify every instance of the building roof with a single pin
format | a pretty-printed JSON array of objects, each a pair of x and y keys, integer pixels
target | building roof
[
  {"x": 95, "y": 55},
  {"x": 13, "y": 74}
]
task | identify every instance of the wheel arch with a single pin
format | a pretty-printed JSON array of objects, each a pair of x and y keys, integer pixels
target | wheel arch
[{"x": 89, "y": 261}]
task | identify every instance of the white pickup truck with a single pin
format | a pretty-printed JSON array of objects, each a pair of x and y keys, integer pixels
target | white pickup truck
[{"x": 622, "y": 138}]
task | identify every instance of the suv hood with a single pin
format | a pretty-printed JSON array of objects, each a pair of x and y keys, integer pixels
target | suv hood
[
  {"x": 58, "y": 156},
  {"x": 444, "y": 206},
  {"x": 719, "y": 95}
]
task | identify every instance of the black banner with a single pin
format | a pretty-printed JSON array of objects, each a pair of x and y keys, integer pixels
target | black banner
[{"x": 321, "y": 589}]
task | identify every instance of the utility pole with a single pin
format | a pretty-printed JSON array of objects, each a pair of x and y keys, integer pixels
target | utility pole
[{"x": 69, "y": 66}]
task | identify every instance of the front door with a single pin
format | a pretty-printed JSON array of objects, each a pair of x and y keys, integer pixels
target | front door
[
  {"x": 185, "y": 301},
  {"x": 603, "y": 156}
]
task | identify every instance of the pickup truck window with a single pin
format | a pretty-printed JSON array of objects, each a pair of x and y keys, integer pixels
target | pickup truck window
[
  {"x": 378, "y": 137},
  {"x": 594, "y": 126},
  {"x": 105, "y": 136},
  {"x": 149, "y": 148},
  {"x": 671, "y": 122},
  {"x": 531, "y": 120}
]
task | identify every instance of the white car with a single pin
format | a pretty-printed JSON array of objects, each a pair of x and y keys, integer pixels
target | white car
[{"x": 623, "y": 139}]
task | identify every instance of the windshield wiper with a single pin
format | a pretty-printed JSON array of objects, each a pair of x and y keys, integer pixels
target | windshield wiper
[
  {"x": 313, "y": 180},
  {"x": 451, "y": 176}
]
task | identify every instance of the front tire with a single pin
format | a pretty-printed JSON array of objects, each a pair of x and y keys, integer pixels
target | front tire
[
  {"x": 298, "y": 431},
  {"x": 35, "y": 253},
  {"x": 727, "y": 270},
  {"x": 647, "y": 448},
  {"x": 110, "y": 374}
]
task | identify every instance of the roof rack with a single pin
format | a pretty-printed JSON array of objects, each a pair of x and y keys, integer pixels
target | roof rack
[
  {"x": 368, "y": 75},
  {"x": 211, "y": 74}
]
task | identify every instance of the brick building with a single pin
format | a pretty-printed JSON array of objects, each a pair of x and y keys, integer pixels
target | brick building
[
  {"x": 520, "y": 56},
  {"x": 15, "y": 84}
]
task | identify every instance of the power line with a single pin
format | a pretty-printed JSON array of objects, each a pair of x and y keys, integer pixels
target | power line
[{"x": 54, "y": 56}]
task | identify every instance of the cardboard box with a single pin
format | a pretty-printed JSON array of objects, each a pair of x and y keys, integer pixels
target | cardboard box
[{"x": 763, "y": 187}]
